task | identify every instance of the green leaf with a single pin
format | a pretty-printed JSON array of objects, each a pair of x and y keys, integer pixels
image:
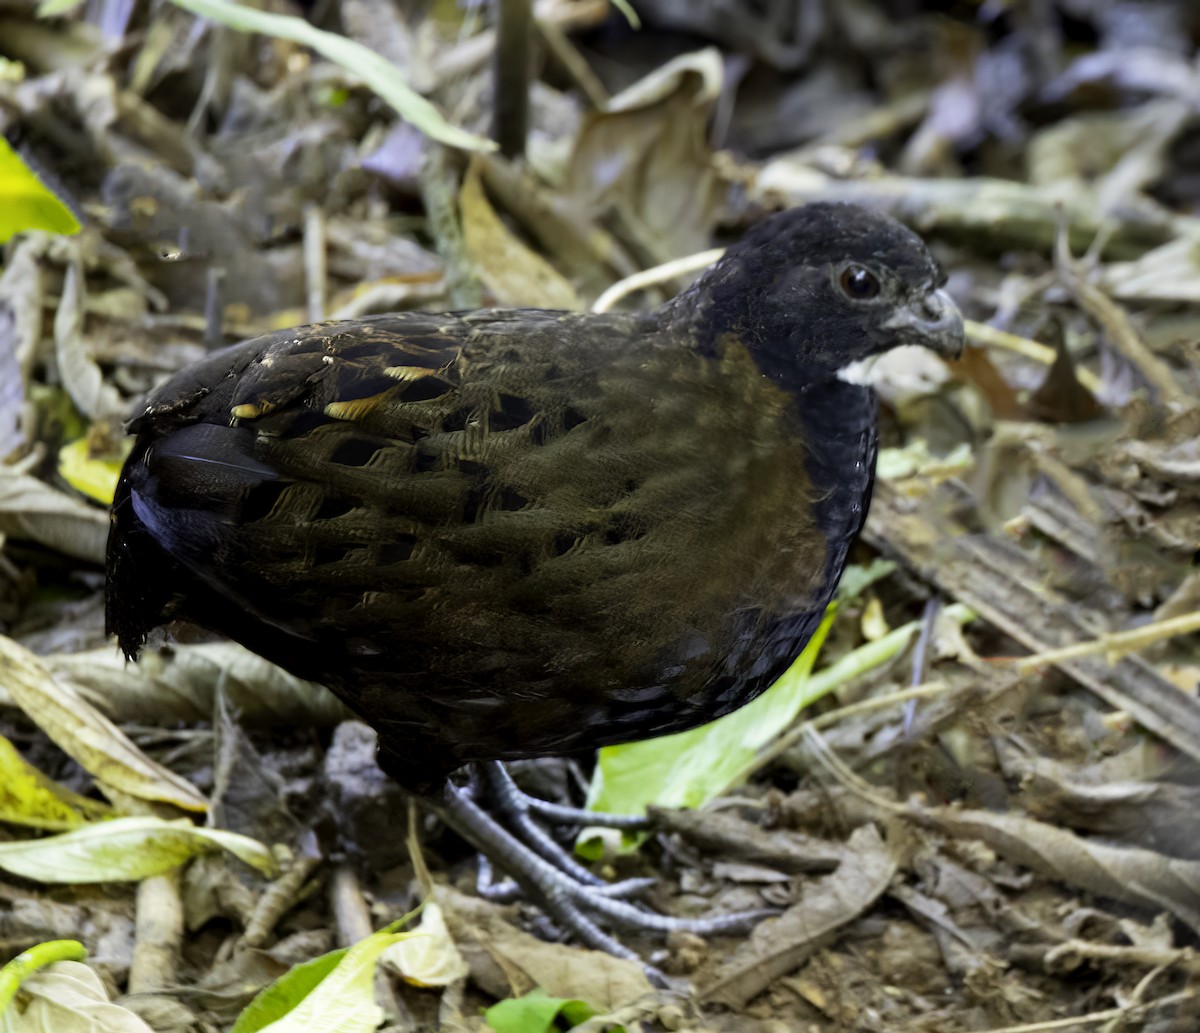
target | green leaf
[
  {"x": 334, "y": 993},
  {"x": 26, "y": 203},
  {"x": 53, "y": 8},
  {"x": 124, "y": 850},
  {"x": 690, "y": 768},
  {"x": 92, "y": 475},
  {"x": 275, "y": 1001},
  {"x": 379, "y": 74},
  {"x": 537, "y": 1012},
  {"x": 856, "y": 578},
  {"x": 626, "y": 9}
]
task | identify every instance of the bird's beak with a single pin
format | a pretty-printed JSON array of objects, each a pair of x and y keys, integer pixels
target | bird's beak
[{"x": 932, "y": 321}]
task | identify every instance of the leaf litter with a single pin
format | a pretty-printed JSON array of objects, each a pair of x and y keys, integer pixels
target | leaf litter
[{"x": 988, "y": 825}]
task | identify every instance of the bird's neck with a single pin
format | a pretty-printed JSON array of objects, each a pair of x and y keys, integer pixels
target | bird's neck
[
  {"x": 839, "y": 424},
  {"x": 689, "y": 320}
]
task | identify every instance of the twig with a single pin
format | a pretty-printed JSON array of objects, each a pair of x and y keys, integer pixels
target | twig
[
  {"x": 1066, "y": 956},
  {"x": 989, "y": 337},
  {"x": 314, "y": 262},
  {"x": 1114, "y": 644},
  {"x": 352, "y": 919},
  {"x": 1094, "y": 1018},
  {"x": 1116, "y": 325},
  {"x": 277, "y": 900},
  {"x": 510, "y": 99},
  {"x": 564, "y": 50},
  {"x": 920, "y": 657},
  {"x": 836, "y": 767},
  {"x": 159, "y": 933},
  {"x": 654, "y": 276}
]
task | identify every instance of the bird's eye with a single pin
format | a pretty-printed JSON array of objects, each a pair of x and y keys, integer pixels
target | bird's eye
[{"x": 859, "y": 283}]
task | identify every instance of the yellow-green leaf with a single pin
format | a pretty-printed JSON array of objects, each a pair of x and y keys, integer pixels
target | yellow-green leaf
[
  {"x": 68, "y": 997},
  {"x": 26, "y": 203},
  {"x": 341, "y": 1000},
  {"x": 28, "y": 962},
  {"x": 125, "y": 850},
  {"x": 27, "y": 797},
  {"x": 91, "y": 475}
]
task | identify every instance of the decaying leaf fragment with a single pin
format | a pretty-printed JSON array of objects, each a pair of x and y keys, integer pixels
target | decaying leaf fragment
[
  {"x": 31, "y": 509},
  {"x": 516, "y": 274},
  {"x": 646, "y": 158}
]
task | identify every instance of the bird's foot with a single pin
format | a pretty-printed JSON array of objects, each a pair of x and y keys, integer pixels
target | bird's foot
[{"x": 578, "y": 901}]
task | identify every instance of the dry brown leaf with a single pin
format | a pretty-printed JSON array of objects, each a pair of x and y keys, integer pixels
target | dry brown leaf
[
  {"x": 647, "y": 159},
  {"x": 510, "y": 270},
  {"x": 1128, "y": 874},
  {"x": 505, "y": 961},
  {"x": 1123, "y": 797},
  {"x": 780, "y": 945}
]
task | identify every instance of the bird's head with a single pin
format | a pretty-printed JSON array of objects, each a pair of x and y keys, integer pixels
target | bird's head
[{"x": 816, "y": 289}]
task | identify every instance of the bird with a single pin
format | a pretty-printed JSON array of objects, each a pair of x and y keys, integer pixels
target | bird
[{"x": 519, "y": 533}]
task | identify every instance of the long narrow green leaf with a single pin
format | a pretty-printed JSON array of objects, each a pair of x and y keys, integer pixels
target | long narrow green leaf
[
  {"x": 373, "y": 69},
  {"x": 689, "y": 768}
]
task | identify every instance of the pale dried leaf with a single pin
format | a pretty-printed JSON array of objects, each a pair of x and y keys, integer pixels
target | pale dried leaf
[
  {"x": 178, "y": 684},
  {"x": 32, "y": 510},
  {"x": 125, "y": 850},
  {"x": 429, "y": 957},
  {"x": 646, "y": 158},
  {"x": 86, "y": 735},
  {"x": 68, "y": 997},
  {"x": 81, "y": 375}
]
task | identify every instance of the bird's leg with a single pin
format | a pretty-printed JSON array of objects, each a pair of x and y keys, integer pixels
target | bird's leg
[
  {"x": 497, "y": 772},
  {"x": 491, "y": 888},
  {"x": 567, "y": 900},
  {"x": 514, "y": 805}
]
